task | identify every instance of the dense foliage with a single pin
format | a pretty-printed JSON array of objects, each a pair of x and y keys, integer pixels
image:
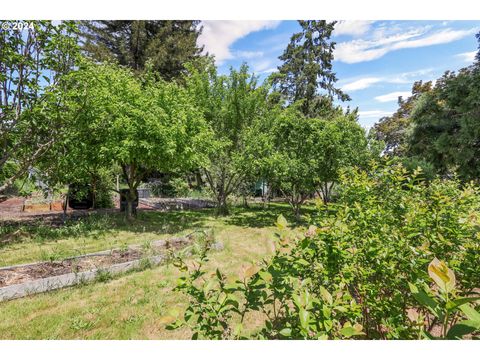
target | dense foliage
[
  {"x": 446, "y": 126},
  {"x": 136, "y": 124},
  {"x": 32, "y": 63},
  {"x": 307, "y": 69},
  {"x": 231, "y": 104},
  {"x": 394, "y": 130},
  {"x": 300, "y": 156},
  {"x": 349, "y": 274},
  {"x": 168, "y": 44},
  {"x": 437, "y": 127}
]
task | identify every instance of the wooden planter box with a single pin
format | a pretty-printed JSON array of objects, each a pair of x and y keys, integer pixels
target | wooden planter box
[
  {"x": 36, "y": 207},
  {"x": 56, "y": 206}
]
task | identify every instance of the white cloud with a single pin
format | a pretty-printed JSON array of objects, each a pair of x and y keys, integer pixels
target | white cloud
[
  {"x": 467, "y": 56},
  {"x": 261, "y": 65},
  {"x": 360, "y": 84},
  {"x": 219, "y": 35},
  {"x": 374, "y": 114},
  {"x": 352, "y": 27},
  {"x": 381, "y": 42},
  {"x": 248, "y": 54},
  {"x": 410, "y": 76},
  {"x": 354, "y": 84},
  {"x": 441, "y": 37},
  {"x": 393, "y": 96}
]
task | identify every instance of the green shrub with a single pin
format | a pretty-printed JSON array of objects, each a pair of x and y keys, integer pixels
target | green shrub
[
  {"x": 446, "y": 313},
  {"x": 350, "y": 274},
  {"x": 180, "y": 187}
]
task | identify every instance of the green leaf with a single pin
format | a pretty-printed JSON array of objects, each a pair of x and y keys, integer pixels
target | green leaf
[
  {"x": 461, "y": 329},
  {"x": 287, "y": 332},
  {"x": 326, "y": 295},
  {"x": 265, "y": 276},
  {"x": 425, "y": 300},
  {"x": 304, "y": 316},
  {"x": 348, "y": 330},
  {"x": 281, "y": 223},
  {"x": 328, "y": 324},
  {"x": 302, "y": 262},
  {"x": 470, "y": 312},
  {"x": 457, "y": 302}
]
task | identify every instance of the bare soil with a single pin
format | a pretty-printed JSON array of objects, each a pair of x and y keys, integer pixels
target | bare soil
[
  {"x": 24, "y": 273},
  {"x": 11, "y": 209}
]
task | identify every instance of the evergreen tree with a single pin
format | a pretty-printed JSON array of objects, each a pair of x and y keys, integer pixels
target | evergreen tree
[
  {"x": 446, "y": 126},
  {"x": 393, "y": 130},
  {"x": 477, "y": 57},
  {"x": 307, "y": 68},
  {"x": 167, "y": 44}
]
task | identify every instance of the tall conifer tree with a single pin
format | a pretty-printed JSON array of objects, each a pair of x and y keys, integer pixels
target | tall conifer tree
[{"x": 168, "y": 44}]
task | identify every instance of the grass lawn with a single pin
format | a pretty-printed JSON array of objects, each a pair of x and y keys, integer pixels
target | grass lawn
[{"x": 131, "y": 306}]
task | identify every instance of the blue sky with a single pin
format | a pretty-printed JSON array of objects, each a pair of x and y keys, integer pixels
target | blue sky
[{"x": 375, "y": 61}]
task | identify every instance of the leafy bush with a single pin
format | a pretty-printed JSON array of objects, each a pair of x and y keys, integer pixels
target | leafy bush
[
  {"x": 350, "y": 274},
  {"x": 174, "y": 187},
  {"x": 180, "y": 187},
  {"x": 446, "y": 312}
]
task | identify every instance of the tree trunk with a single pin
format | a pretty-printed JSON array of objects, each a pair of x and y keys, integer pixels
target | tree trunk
[
  {"x": 131, "y": 197},
  {"x": 94, "y": 192},
  {"x": 65, "y": 205},
  {"x": 198, "y": 180},
  {"x": 296, "y": 209},
  {"x": 222, "y": 206},
  {"x": 326, "y": 192}
]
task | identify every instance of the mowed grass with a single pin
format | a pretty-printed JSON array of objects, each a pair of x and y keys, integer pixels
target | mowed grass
[
  {"x": 134, "y": 306},
  {"x": 21, "y": 244}
]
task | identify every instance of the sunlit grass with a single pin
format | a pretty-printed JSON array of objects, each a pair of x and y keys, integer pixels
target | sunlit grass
[{"x": 132, "y": 306}]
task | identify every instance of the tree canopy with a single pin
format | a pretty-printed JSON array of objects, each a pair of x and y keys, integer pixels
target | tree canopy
[
  {"x": 137, "y": 124},
  {"x": 230, "y": 104},
  {"x": 166, "y": 44},
  {"x": 446, "y": 125},
  {"x": 305, "y": 155},
  {"x": 32, "y": 64},
  {"x": 307, "y": 69},
  {"x": 393, "y": 130}
]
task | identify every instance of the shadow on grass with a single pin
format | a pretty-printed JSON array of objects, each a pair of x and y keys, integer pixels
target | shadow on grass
[
  {"x": 51, "y": 227},
  {"x": 258, "y": 216},
  {"x": 42, "y": 228}
]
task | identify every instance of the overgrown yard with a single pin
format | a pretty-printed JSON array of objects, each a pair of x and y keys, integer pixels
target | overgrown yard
[{"x": 137, "y": 305}]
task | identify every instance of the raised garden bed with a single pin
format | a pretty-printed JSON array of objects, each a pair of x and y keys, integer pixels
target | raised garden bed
[
  {"x": 22, "y": 280},
  {"x": 43, "y": 206},
  {"x": 167, "y": 204}
]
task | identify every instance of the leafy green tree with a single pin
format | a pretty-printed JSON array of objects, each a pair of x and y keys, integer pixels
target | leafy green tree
[
  {"x": 446, "y": 131},
  {"x": 393, "y": 130},
  {"x": 231, "y": 104},
  {"x": 137, "y": 125},
  {"x": 32, "y": 63},
  {"x": 166, "y": 44},
  {"x": 303, "y": 156},
  {"x": 307, "y": 68}
]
